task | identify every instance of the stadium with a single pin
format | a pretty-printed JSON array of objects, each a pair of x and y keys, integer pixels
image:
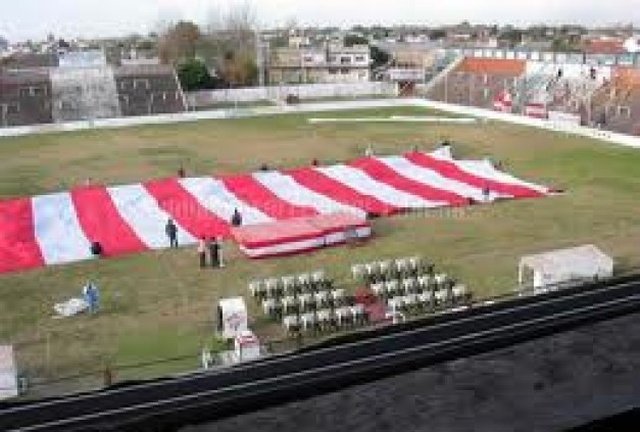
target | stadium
[{"x": 566, "y": 138}]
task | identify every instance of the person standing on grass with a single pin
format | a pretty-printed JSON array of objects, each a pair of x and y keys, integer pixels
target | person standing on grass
[
  {"x": 172, "y": 233},
  {"x": 202, "y": 252},
  {"x": 214, "y": 252},
  {"x": 220, "y": 252},
  {"x": 486, "y": 193}
]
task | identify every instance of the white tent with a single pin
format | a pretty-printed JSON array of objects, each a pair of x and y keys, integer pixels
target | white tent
[
  {"x": 555, "y": 267},
  {"x": 232, "y": 317},
  {"x": 8, "y": 374}
]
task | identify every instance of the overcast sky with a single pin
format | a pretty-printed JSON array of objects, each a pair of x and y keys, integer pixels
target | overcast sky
[{"x": 22, "y": 19}]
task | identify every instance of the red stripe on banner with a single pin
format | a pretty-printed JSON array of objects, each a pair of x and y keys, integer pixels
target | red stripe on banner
[
  {"x": 382, "y": 173},
  {"x": 249, "y": 190},
  {"x": 19, "y": 249},
  {"x": 325, "y": 185},
  {"x": 101, "y": 222},
  {"x": 451, "y": 170},
  {"x": 186, "y": 210}
]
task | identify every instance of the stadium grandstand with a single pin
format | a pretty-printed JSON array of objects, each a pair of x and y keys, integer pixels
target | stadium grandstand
[
  {"x": 25, "y": 97},
  {"x": 588, "y": 94},
  {"x": 47, "y": 88},
  {"x": 481, "y": 82},
  {"x": 616, "y": 105},
  {"x": 148, "y": 89}
]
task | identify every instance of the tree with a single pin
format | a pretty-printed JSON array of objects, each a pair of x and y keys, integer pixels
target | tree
[
  {"x": 437, "y": 34},
  {"x": 352, "y": 39},
  {"x": 240, "y": 69},
  {"x": 378, "y": 57},
  {"x": 194, "y": 75},
  {"x": 231, "y": 44},
  {"x": 179, "y": 42}
]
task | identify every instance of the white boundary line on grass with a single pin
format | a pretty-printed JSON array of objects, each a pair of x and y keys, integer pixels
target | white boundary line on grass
[{"x": 395, "y": 119}]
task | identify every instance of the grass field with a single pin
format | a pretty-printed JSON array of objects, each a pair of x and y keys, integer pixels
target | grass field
[{"x": 159, "y": 305}]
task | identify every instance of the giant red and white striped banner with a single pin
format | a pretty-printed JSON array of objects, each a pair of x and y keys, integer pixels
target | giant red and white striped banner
[{"x": 59, "y": 228}]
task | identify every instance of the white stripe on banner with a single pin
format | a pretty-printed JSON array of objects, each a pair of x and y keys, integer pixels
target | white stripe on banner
[
  {"x": 287, "y": 189},
  {"x": 215, "y": 197},
  {"x": 485, "y": 169},
  {"x": 430, "y": 177},
  {"x": 58, "y": 230},
  {"x": 141, "y": 211},
  {"x": 360, "y": 181}
]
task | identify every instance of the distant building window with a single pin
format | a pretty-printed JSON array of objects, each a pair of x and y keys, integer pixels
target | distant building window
[
  {"x": 345, "y": 60},
  {"x": 333, "y": 59},
  {"x": 141, "y": 83},
  {"x": 624, "y": 111},
  {"x": 360, "y": 58},
  {"x": 308, "y": 59},
  {"x": 344, "y": 71},
  {"x": 485, "y": 79},
  {"x": 25, "y": 91},
  {"x": 485, "y": 93},
  {"x": 11, "y": 108},
  {"x": 333, "y": 71}
]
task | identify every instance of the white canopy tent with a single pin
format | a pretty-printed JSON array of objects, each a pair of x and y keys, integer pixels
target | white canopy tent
[
  {"x": 555, "y": 267},
  {"x": 232, "y": 317}
]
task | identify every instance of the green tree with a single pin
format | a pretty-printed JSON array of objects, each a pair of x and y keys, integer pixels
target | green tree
[
  {"x": 352, "y": 39},
  {"x": 378, "y": 57},
  {"x": 194, "y": 75}
]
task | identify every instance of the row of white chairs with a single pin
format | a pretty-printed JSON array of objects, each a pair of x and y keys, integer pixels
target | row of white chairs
[
  {"x": 380, "y": 269},
  {"x": 458, "y": 293},
  {"x": 410, "y": 285},
  {"x": 289, "y": 285},
  {"x": 303, "y": 302},
  {"x": 325, "y": 319}
]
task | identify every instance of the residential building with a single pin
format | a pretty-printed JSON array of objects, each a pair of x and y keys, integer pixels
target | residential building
[{"x": 332, "y": 63}]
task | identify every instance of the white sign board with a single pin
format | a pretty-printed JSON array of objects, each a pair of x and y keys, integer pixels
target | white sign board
[
  {"x": 232, "y": 317},
  {"x": 564, "y": 118}
]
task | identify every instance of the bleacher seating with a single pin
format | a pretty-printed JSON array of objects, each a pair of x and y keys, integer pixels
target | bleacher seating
[
  {"x": 60, "y": 94},
  {"x": 564, "y": 87},
  {"x": 616, "y": 106},
  {"x": 479, "y": 82},
  {"x": 25, "y": 97},
  {"x": 148, "y": 89},
  {"x": 594, "y": 95},
  {"x": 83, "y": 93}
]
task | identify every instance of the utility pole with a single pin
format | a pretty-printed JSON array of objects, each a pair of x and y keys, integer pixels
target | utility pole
[{"x": 260, "y": 58}]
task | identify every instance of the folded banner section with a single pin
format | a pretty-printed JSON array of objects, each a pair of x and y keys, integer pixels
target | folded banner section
[{"x": 300, "y": 235}]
